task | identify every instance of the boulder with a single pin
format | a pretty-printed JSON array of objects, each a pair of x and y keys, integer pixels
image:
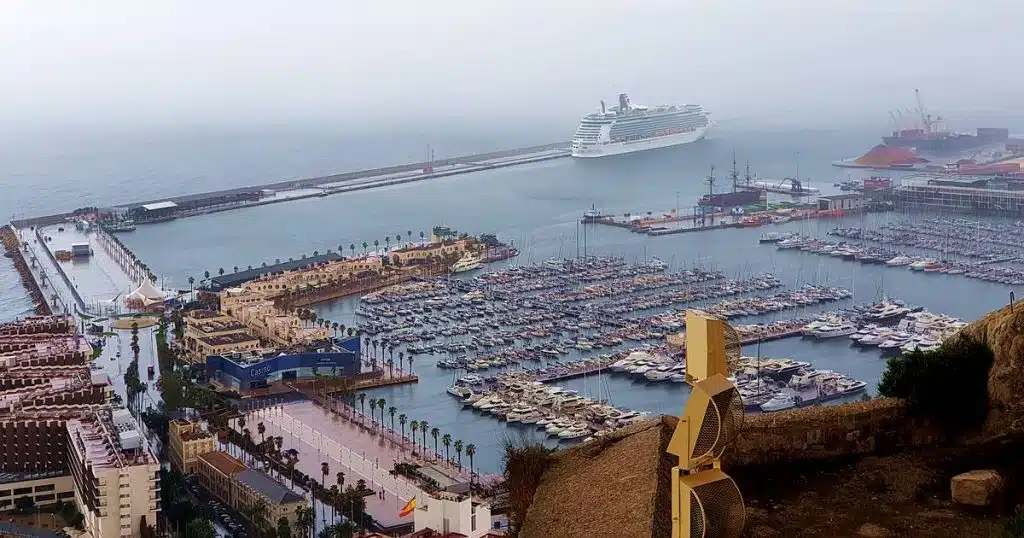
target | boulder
[
  {"x": 977, "y": 488},
  {"x": 870, "y": 530}
]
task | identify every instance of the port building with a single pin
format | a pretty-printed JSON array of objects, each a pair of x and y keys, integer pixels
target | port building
[
  {"x": 965, "y": 194},
  {"x": 186, "y": 441},
  {"x": 229, "y": 481},
  {"x": 846, "y": 203},
  {"x": 239, "y": 371}
]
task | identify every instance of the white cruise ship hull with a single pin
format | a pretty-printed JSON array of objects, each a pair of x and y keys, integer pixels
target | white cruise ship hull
[{"x": 589, "y": 150}]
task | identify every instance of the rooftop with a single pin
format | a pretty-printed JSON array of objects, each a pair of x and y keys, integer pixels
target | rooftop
[
  {"x": 159, "y": 205},
  {"x": 225, "y": 339},
  {"x": 241, "y": 277},
  {"x": 837, "y": 197},
  {"x": 223, "y": 462},
  {"x": 218, "y": 325},
  {"x": 267, "y": 486}
]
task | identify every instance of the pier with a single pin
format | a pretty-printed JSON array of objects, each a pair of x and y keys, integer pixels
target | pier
[{"x": 282, "y": 191}]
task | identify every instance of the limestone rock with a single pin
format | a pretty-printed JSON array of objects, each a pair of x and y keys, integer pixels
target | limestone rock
[
  {"x": 1003, "y": 332},
  {"x": 977, "y": 488},
  {"x": 870, "y": 530}
]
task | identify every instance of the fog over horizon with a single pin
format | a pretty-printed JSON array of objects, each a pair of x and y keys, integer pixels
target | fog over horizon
[{"x": 393, "y": 64}]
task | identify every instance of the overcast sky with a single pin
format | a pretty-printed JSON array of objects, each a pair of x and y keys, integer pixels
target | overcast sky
[{"x": 381, "y": 62}]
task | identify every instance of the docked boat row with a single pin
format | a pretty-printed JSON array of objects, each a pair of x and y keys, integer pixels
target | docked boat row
[
  {"x": 966, "y": 247},
  {"x": 983, "y": 270},
  {"x": 563, "y": 414},
  {"x": 918, "y": 331},
  {"x": 769, "y": 385}
]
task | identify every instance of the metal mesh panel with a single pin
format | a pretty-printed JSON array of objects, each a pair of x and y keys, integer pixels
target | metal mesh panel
[
  {"x": 733, "y": 348},
  {"x": 730, "y": 407},
  {"x": 722, "y": 509},
  {"x": 696, "y": 516},
  {"x": 708, "y": 435}
]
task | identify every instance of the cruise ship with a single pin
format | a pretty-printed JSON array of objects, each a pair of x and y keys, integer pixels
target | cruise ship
[{"x": 628, "y": 127}]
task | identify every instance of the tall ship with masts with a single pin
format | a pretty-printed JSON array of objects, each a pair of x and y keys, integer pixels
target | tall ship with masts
[{"x": 628, "y": 127}]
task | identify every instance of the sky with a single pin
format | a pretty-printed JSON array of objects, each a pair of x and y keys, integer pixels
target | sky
[{"x": 388, "y": 62}]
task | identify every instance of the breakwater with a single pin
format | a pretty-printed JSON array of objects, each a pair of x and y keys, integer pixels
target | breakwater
[
  {"x": 226, "y": 199},
  {"x": 12, "y": 249}
]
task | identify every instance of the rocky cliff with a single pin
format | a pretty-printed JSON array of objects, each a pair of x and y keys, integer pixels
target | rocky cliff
[{"x": 1003, "y": 332}]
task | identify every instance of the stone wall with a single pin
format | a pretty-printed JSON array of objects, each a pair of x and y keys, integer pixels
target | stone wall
[{"x": 877, "y": 426}]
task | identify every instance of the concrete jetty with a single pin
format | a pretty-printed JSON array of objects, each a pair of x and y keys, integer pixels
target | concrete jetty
[{"x": 282, "y": 191}]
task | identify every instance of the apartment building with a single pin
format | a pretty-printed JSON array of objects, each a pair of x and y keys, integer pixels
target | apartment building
[
  {"x": 186, "y": 442},
  {"x": 232, "y": 483}
]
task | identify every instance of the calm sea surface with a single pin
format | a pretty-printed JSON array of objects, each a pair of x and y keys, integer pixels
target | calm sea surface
[{"x": 534, "y": 206}]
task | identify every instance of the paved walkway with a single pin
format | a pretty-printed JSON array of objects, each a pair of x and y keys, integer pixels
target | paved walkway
[{"x": 319, "y": 436}]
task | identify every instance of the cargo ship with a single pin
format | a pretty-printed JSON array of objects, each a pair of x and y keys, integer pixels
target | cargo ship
[{"x": 928, "y": 137}]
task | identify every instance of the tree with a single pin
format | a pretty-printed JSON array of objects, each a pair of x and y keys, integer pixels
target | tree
[
  {"x": 362, "y": 402},
  {"x": 262, "y": 430},
  {"x": 401, "y": 421},
  {"x": 235, "y": 269},
  {"x": 334, "y": 501},
  {"x": 434, "y": 433},
  {"x": 247, "y": 436},
  {"x": 421, "y": 235},
  {"x": 415, "y": 425},
  {"x": 470, "y": 452},
  {"x": 410, "y": 364},
  {"x": 291, "y": 458},
  {"x": 206, "y": 275},
  {"x": 424, "y": 428},
  {"x": 191, "y": 281},
  {"x": 373, "y": 406},
  {"x": 364, "y": 247},
  {"x": 391, "y": 412},
  {"x": 334, "y": 327},
  {"x": 458, "y": 451},
  {"x": 284, "y": 529},
  {"x": 304, "y": 518},
  {"x": 376, "y": 245},
  {"x": 199, "y": 528},
  {"x": 324, "y": 471},
  {"x": 380, "y": 405},
  {"x": 446, "y": 440},
  {"x": 220, "y": 271}
]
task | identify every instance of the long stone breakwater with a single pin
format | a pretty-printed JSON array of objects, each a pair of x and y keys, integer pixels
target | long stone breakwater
[{"x": 12, "y": 249}]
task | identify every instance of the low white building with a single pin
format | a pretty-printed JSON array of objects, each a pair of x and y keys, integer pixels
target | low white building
[{"x": 446, "y": 512}]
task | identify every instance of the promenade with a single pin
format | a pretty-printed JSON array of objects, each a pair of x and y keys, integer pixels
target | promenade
[{"x": 337, "y": 438}]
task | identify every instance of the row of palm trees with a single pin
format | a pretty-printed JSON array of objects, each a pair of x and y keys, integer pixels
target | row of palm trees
[
  {"x": 419, "y": 426},
  {"x": 390, "y": 348},
  {"x": 269, "y": 450}
]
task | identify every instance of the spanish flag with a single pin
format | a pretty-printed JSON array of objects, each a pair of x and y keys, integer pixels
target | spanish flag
[{"x": 408, "y": 508}]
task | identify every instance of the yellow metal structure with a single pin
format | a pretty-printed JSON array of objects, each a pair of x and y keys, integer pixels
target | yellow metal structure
[
  {"x": 705, "y": 346},
  {"x": 705, "y": 501}
]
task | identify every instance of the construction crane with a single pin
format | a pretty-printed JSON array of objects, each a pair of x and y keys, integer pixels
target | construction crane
[{"x": 926, "y": 118}]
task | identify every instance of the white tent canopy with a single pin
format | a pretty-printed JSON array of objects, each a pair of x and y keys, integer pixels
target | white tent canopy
[{"x": 147, "y": 293}]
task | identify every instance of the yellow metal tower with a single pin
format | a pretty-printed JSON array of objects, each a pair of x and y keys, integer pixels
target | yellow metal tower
[{"x": 706, "y": 503}]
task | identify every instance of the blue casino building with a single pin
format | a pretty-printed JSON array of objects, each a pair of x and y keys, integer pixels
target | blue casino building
[{"x": 335, "y": 357}]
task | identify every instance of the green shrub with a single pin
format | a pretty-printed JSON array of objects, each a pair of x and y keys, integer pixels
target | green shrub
[
  {"x": 949, "y": 385},
  {"x": 1013, "y": 526}
]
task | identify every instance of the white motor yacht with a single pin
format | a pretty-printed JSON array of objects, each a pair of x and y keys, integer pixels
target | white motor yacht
[
  {"x": 833, "y": 331},
  {"x": 779, "y": 402}
]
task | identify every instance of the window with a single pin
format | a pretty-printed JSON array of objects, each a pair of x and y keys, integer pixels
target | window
[
  {"x": 45, "y": 487},
  {"x": 66, "y": 495},
  {"x": 19, "y": 491},
  {"x": 5, "y": 493},
  {"x": 44, "y": 498},
  {"x": 126, "y": 526},
  {"x": 125, "y": 495}
]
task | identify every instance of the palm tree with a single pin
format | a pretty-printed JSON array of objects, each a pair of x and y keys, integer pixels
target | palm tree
[
  {"x": 421, "y": 235},
  {"x": 410, "y": 364},
  {"x": 206, "y": 275},
  {"x": 352, "y": 248},
  {"x": 458, "y": 451},
  {"x": 408, "y": 233},
  {"x": 373, "y": 406},
  {"x": 235, "y": 269},
  {"x": 191, "y": 281},
  {"x": 434, "y": 433},
  {"x": 291, "y": 459},
  {"x": 380, "y": 405},
  {"x": 391, "y": 412},
  {"x": 261, "y": 429},
  {"x": 304, "y": 519},
  {"x": 391, "y": 368},
  {"x": 423, "y": 428},
  {"x": 241, "y": 423},
  {"x": 387, "y": 242},
  {"x": 341, "y": 479},
  {"x": 362, "y": 402},
  {"x": 278, "y": 442},
  {"x": 334, "y": 327},
  {"x": 364, "y": 247},
  {"x": 401, "y": 356},
  {"x": 415, "y": 425},
  {"x": 374, "y": 361},
  {"x": 324, "y": 470},
  {"x": 446, "y": 440},
  {"x": 376, "y": 245},
  {"x": 470, "y": 452},
  {"x": 220, "y": 271},
  {"x": 247, "y": 435},
  {"x": 334, "y": 500},
  {"x": 341, "y": 327},
  {"x": 401, "y": 420}
]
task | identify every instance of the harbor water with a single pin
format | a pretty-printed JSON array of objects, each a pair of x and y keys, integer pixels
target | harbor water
[{"x": 537, "y": 208}]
